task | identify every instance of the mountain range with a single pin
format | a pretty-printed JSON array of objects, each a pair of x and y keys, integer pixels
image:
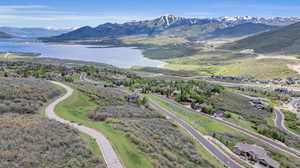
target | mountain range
[
  {"x": 6, "y": 35},
  {"x": 285, "y": 40},
  {"x": 248, "y": 19},
  {"x": 170, "y": 25},
  {"x": 34, "y": 32}
]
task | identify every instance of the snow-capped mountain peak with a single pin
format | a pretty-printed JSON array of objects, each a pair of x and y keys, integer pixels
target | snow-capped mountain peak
[{"x": 263, "y": 20}]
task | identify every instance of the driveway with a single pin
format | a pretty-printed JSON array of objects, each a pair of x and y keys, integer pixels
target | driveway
[{"x": 109, "y": 155}]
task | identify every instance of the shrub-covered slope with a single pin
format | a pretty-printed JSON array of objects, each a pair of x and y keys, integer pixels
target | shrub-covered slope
[
  {"x": 284, "y": 41},
  {"x": 25, "y": 96},
  {"x": 160, "y": 139},
  {"x": 31, "y": 141}
]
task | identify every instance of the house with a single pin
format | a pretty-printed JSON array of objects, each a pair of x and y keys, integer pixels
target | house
[
  {"x": 198, "y": 106},
  {"x": 218, "y": 113},
  {"x": 133, "y": 97},
  {"x": 255, "y": 154},
  {"x": 259, "y": 104}
]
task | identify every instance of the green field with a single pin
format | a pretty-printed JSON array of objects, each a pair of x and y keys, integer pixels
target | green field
[
  {"x": 146, "y": 40},
  {"x": 76, "y": 108},
  {"x": 258, "y": 69}
]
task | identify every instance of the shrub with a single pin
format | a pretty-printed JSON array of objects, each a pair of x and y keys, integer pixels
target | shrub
[
  {"x": 35, "y": 142},
  {"x": 207, "y": 109}
]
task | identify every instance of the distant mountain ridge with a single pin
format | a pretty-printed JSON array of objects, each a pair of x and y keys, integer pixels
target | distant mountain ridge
[
  {"x": 6, "y": 35},
  {"x": 243, "y": 29},
  {"x": 170, "y": 25},
  {"x": 34, "y": 32},
  {"x": 149, "y": 27},
  {"x": 285, "y": 40},
  {"x": 262, "y": 20}
]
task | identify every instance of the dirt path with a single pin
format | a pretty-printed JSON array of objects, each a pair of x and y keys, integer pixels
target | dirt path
[
  {"x": 109, "y": 155},
  {"x": 277, "y": 57}
]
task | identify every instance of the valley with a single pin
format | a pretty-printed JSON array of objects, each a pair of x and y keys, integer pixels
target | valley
[{"x": 159, "y": 92}]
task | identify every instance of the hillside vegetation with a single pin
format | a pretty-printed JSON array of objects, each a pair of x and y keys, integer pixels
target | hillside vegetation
[
  {"x": 285, "y": 40},
  {"x": 28, "y": 140},
  {"x": 25, "y": 96},
  {"x": 31, "y": 141},
  {"x": 243, "y": 29},
  {"x": 151, "y": 133}
]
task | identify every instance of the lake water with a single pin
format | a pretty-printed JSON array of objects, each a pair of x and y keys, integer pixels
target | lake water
[{"x": 123, "y": 57}]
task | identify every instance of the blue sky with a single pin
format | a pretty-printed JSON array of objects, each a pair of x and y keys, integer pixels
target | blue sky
[{"x": 69, "y": 13}]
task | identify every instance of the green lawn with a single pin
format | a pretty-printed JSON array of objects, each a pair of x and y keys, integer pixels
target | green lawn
[{"x": 76, "y": 108}]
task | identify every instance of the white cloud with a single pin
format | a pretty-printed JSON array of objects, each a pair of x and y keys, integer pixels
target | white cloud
[{"x": 40, "y": 13}]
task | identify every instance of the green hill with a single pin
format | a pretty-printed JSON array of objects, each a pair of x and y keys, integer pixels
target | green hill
[
  {"x": 195, "y": 32},
  {"x": 285, "y": 40},
  {"x": 243, "y": 30}
]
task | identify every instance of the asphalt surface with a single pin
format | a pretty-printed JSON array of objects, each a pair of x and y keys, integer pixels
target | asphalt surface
[
  {"x": 206, "y": 143},
  {"x": 262, "y": 138},
  {"x": 109, "y": 155},
  {"x": 279, "y": 119},
  {"x": 293, "y": 106},
  {"x": 279, "y": 123}
]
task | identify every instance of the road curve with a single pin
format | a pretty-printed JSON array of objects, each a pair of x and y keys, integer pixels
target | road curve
[
  {"x": 279, "y": 123},
  {"x": 220, "y": 155},
  {"x": 109, "y": 155},
  {"x": 262, "y": 138}
]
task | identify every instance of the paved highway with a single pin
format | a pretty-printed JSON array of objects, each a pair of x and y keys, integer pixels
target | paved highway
[
  {"x": 196, "y": 134},
  {"x": 262, "y": 138}
]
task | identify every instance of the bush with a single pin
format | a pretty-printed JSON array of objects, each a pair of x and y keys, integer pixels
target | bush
[
  {"x": 35, "y": 142},
  {"x": 25, "y": 96},
  {"x": 207, "y": 109}
]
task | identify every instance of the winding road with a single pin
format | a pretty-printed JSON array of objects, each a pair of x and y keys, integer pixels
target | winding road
[
  {"x": 279, "y": 122},
  {"x": 109, "y": 155},
  {"x": 262, "y": 138},
  {"x": 279, "y": 116}
]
